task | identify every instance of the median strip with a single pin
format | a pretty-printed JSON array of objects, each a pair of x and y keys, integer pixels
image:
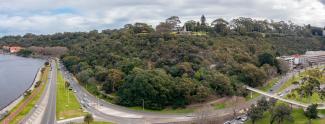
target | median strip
[{"x": 67, "y": 105}]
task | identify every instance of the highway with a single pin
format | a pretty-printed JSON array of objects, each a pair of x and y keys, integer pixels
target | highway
[
  {"x": 44, "y": 110},
  {"x": 115, "y": 113},
  {"x": 50, "y": 115}
]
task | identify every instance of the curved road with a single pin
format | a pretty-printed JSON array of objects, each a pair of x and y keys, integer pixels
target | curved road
[
  {"x": 115, "y": 113},
  {"x": 119, "y": 114}
]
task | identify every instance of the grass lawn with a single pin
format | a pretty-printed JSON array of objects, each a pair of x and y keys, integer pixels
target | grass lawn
[
  {"x": 322, "y": 111},
  {"x": 199, "y": 33},
  {"x": 32, "y": 102},
  {"x": 67, "y": 105},
  {"x": 297, "y": 114},
  {"x": 219, "y": 106},
  {"x": 289, "y": 82},
  {"x": 314, "y": 98},
  {"x": 251, "y": 95},
  {"x": 299, "y": 77}
]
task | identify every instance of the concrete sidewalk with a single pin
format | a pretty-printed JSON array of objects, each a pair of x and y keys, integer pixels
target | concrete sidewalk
[{"x": 78, "y": 120}]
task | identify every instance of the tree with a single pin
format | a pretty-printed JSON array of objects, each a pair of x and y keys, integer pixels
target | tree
[
  {"x": 220, "y": 26},
  {"x": 280, "y": 113},
  {"x": 322, "y": 93},
  {"x": 88, "y": 118},
  {"x": 173, "y": 21},
  {"x": 164, "y": 27},
  {"x": 255, "y": 113},
  {"x": 219, "y": 83},
  {"x": 141, "y": 28},
  {"x": 263, "y": 104},
  {"x": 70, "y": 61},
  {"x": 67, "y": 84},
  {"x": 24, "y": 53},
  {"x": 282, "y": 66},
  {"x": 46, "y": 63},
  {"x": 153, "y": 87},
  {"x": 316, "y": 73},
  {"x": 191, "y": 25},
  {"x": 114, "y": 79},
  {"x": 243, "y": 25},
  {"x": 266, "y": 58},
  {"x": 252, "y": 75},
  {"x": 84, "y": 75},
  {"x": 311, "y": 112},
  {"x": 309, "y": 86}
]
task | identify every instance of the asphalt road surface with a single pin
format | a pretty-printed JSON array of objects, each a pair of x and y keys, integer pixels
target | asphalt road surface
[
  {"x": 50, "y": 111},
  {"x": 44, "y": 111}
]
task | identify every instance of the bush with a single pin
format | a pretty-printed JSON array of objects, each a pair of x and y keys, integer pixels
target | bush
[{"x": 37, "y": 84}]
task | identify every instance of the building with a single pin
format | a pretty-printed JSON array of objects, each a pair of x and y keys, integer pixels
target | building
[
  {"x": 310, "y": 58},
  {"x": 293, "y": 61},
  {"x": 12, "y": 49},
  {"x": 15, "y": 49},
  {"x": 313, "y": 58}
]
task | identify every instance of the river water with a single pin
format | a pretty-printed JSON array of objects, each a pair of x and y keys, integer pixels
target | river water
[{"x": 16, "y": 76}]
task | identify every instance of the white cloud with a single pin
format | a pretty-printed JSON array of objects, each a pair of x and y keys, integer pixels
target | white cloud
[{"x": 42, "y": 16}]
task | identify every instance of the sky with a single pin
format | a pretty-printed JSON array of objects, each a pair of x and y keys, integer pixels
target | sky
[{"x": 18, "y": 17}]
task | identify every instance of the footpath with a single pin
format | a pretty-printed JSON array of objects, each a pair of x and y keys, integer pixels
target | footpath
[{"x": 16, "y": 102}]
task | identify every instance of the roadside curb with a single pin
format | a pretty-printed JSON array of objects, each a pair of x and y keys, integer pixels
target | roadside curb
[{"x": 15, "y": 102}]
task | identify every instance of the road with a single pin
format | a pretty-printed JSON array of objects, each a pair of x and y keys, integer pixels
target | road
[
  {"x": 115, "y": 113},
  {"x": 50, "y": 115},
  {"x": 276, "y": 97},
  {"x": 119, "y": 114},
  {"x": 285, "y": 92},
  {"x": 44, "y": 113},
  {"x": 275, "y": 88}
]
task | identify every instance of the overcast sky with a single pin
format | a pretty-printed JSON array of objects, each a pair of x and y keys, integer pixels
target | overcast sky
[{"x": 50, "y": 16}]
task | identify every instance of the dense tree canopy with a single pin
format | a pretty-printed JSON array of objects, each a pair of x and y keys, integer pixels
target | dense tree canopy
[{"x": 166, "y": 68}]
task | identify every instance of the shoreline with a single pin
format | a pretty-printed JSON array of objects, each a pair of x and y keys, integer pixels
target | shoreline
[{"x": 16, "y": 101}]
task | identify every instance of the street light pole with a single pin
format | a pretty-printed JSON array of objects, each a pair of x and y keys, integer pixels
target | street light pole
[{"x": 68, "y": 98}]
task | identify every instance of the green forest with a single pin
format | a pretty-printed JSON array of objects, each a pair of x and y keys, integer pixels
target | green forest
[{"x": 168, "y": 66}]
